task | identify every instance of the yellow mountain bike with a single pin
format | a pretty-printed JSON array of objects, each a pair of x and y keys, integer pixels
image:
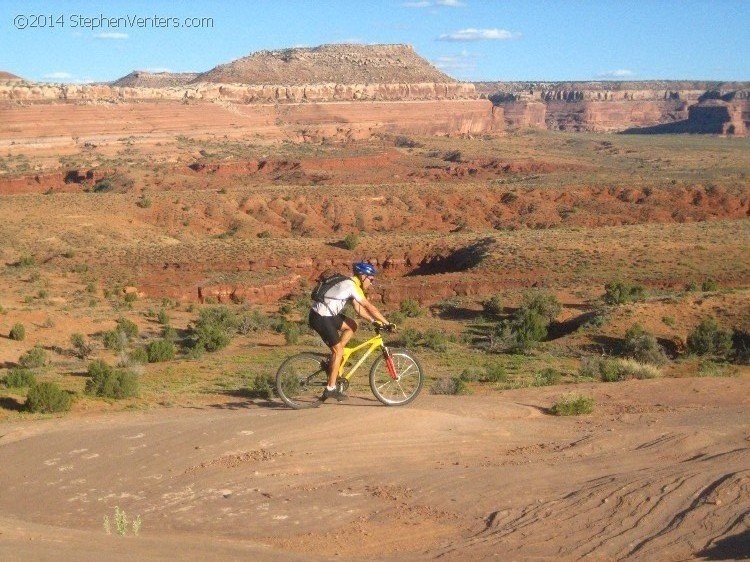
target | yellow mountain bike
[{"x": 395, "y": 376}]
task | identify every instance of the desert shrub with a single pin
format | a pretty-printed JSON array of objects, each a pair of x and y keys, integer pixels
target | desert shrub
[
  {"x": 708, "y": 339},
  {"x": 435, "y": 340},
  {"x": 351, "y": 241},
  {"x": 709, "y": 285},
  {"x": 26, "y": 260},
  {"x": 410, "y": 308},
  {"x": 163, "y": 317},
  {"x": 81, "y": 347},
  {"x": 709, "y": 368},
  {"x": 169, "y": 334},
  {"x": 264, "y": 234},
  {"x": 114, "y": 340},
  {"x": 642, "y": 346},
  {"x": 19, "y": 378},
  {"x": 106, "y": 382},
  {"x": 160, "y": 350},
  {"x": 527, "y": 328},
  {"x": 494, "y": 373},
  {"x": 405, "y": 142},
  {"x": 138, "y": 356},
  {"x": 409, "y": 337},
  {"x": 547, "y": 377},
  {"x": 47, "y": 398},
  {"x": 573, "y": 405},
  {"x": 449, "y": 386},
  {"x": 632, "y": 369},
  {"x": 452, "y": 156},
  {"x": 292, "y": 333},
  {"x": 741, "y": 346},
  {"x": 470, "y": 375},
  {"x": 251, "y": 322},
  {"x": 127, "y": 327},
  {"x": 544, "y": 304},
  {"x": 214, "y": 327},
  {"x": 619, "y": 292},
  {"x": 600, "y": 368},
  {"x": 33, "y": 359},
  {"x": 492, "y": 306},
  {"x": 262, "y": 386},
  {"x": 17, "y": 332}
]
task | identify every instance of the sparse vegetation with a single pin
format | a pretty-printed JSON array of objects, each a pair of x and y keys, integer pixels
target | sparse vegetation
[
  {"x": 450, "y": 386},
  {"x": 707, "y": 339},
  {"x": 34, "y": 358},
  {"x": 19, "y": 378},
  {"x": 573, "y": 405},
  {"x": 107, "y": 382},
  {"x": 618, "y": 292},
  {"x": 47, "y": 398},
  {"x": 17, "y": 332}
]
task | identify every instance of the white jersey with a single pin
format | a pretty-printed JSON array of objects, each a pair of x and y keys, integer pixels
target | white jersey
[{"x": 337, "y": 296}]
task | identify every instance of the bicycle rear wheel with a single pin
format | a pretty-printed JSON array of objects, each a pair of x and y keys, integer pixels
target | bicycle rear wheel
[
  {"x": 400, "y": 387},
  {"x": 301, "y": 380}
]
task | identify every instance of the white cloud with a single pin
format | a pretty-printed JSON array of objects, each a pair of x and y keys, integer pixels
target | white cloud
[
  {"x": 422, "y": 4},
  {"x": 620, "y": 73},
  {"x": 461, "y": 65},
  {"x": 111, "y": 35},
  {"x": 450, "y": 3},
  {"x": 471, "y": 34},
  {"x": 58, "y": 75}
]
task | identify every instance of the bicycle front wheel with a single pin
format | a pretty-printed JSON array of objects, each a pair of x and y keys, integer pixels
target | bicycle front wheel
[
  {"x": 301, "y": 380},
  {"x": 400, "y": 386}
]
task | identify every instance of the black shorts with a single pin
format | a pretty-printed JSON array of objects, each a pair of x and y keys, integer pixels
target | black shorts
[{"x": 327, "y": 327}]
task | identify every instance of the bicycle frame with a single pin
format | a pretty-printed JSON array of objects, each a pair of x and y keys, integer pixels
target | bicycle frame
[{"x": 372, "y": 344}]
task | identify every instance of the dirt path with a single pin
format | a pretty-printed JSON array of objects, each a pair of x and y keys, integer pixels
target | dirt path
[{"x": 660, "y": 471}]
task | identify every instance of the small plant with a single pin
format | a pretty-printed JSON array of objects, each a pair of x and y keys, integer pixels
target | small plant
[
  {"x": 450, "y": 386},
  {"x": 163, "y": 317},
  {"x": 291, "y": 333},
  {"x": 351, "y": 241},
  {"x": 435, "y": 340},
  {"x": 544, "y": 304},
  {"x": 547, "y": 377},
  {"x": 81, "y": 347},
  {"x": 127, "y": 327},
  {"x": 17, "y": 332},
  {"x": 619, "y": 292},
  {"x": 707, "y": 339},
  {"x": 495, "y": 373},
  {"x": 47, "y": 398},
  {"x": 573, "y": 405},
  {"x": 410, "y": 308},
  {"x": 138, "y": 356},
  {"x": 160, "y": 350},
  {"x": 144, "y": 202},
  {"x": 115, "y": 340},
  {"x": 19, "y": 378},
  {"x": 121, "y": 523},
  {"x": 106, "y": 382},
  {"x": 262, "y": 387},
  {"x": 493, "y": 306},
  {"x": 669, "y": 321},
  {"x": 34, "y": 358},
  {"x": 709, "y": 285},
  {"x": 642, "y": 346},
  {"x": 632, "y": 369}
]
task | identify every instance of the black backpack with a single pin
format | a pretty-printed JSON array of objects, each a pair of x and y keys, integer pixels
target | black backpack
[{"x": 325, "y": 283}]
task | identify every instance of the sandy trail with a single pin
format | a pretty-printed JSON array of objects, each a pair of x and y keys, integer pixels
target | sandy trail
[{"x": 660, "y": 471}]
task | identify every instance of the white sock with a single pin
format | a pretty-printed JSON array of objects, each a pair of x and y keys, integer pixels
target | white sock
[{"x": 330, "y": 388}]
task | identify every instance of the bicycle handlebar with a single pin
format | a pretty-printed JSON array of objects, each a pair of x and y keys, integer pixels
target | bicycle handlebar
[{"x": 380, "y": 327}]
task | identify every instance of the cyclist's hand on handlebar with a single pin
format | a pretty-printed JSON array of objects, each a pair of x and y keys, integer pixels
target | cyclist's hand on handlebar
[
  {"x": 391, "y": 327},
  {"x": 384, "y": 327}
]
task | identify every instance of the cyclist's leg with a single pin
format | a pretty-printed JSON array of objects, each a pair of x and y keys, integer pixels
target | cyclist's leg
[{"x": 346, "y": 331}]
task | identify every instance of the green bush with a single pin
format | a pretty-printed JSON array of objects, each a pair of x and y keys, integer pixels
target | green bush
[
  {"x": 291, "y": 333},
  {"x": 410, "y": 308},
  {"x": 115, "y": 340},
  {"x": 492, "y": 306},
  {"x": 160, "y": 350},
  {"x": 34, "y": 358},
  {"x": 619, "y": 292},
  {"x": 212, "y": 337},
  {"x": 494, "y": 373},
  {"x": 47, "y": 398},
  {"x": 527, "y": 328},
  {"x": 351, "y": 241},
  {"x": 127, "y": 327},
  {"x": 106, "y": 382},
  {"x": 573, "y": 405},
  {"x": 450, "y": 386},
  {"x": 262, "y": 387},
  {"x": 17, "y": 332},
  {"x": 138, "y": 356},
  {"x": 81, "y": 347},
  {"x": 642, "y": 346},
  {"x": 435, "y": 340},
  {"x": 709, "y": 285},
  {"x": 547, "y": 377},
  {"x": 19, "y": 378},
  {"x": 163, "y": 317},
  {"x": 409, "y": 337},
  {"x": 251, "y": 322},
  {"x": 708, "y": 339},
  {"x": 544, "y": 304}
]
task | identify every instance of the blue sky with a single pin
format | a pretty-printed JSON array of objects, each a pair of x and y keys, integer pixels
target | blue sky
[{"x": 59, "y": 41}]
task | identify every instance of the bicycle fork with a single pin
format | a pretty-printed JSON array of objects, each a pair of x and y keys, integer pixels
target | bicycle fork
[{"x": 388, "y": 358}]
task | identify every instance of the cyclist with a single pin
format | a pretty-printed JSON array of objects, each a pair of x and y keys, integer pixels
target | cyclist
[{"x": 336, "y": 329}]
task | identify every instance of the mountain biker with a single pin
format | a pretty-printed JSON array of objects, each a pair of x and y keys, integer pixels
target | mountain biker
[{"x": 336, "y": 329}]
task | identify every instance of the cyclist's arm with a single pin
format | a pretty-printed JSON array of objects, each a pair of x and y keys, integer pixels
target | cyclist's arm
[{"x": 368, "y": 311}]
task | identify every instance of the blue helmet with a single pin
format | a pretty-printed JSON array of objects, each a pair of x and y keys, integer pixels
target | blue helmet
[{"x": 364, "y": 268}]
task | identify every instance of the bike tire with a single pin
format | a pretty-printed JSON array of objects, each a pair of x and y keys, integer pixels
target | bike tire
[
  {"x": 403, "y": 390},
  {"x": 301, "y": 379}
]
